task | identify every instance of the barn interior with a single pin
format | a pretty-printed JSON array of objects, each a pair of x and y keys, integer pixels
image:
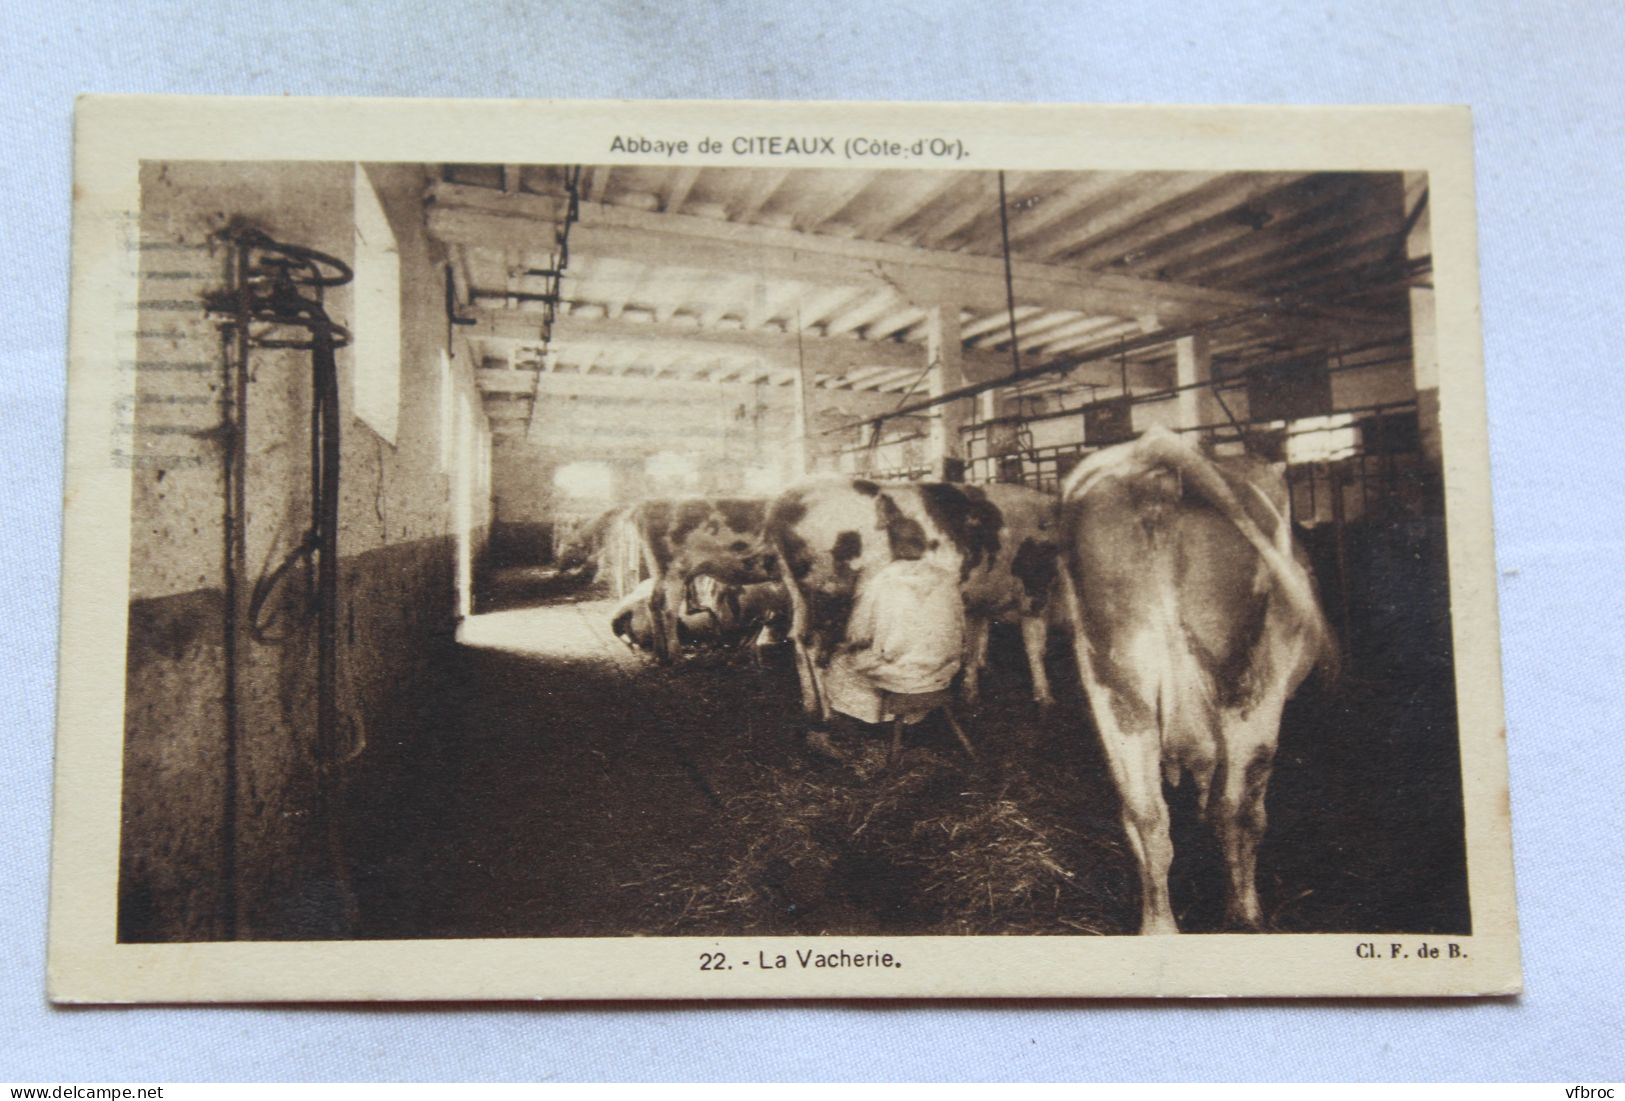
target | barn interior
[{"x": 366, "y": 697}]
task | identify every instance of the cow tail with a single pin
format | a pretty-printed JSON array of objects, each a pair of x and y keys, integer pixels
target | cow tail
[
  {"x": 1292, "y": 579},
  {"x": 1160, "y": 447}
]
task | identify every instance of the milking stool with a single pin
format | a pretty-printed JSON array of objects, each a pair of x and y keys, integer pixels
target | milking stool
[{"x": 911, "y": 707}]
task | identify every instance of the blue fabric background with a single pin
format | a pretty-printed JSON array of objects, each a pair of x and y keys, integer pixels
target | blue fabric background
[{"x": 1544, "y": 81}]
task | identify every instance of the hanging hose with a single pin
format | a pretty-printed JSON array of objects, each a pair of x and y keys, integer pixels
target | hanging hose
[
  {"x": 280, "y": 288},
  {"x": 274, "y": 290}
]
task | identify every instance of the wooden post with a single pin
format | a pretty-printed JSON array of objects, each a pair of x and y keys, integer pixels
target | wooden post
[
  {"x": 995, "y": 438},
  {"x": 944, "y": 351},
  {"x": 805, "y": 457},
  {"x": 1193, "y": 359}
]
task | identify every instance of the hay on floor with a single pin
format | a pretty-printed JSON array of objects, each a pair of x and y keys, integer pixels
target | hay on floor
[{"x": 933, "y": 845}]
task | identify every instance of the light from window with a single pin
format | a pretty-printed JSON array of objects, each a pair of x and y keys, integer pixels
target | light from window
[
  {"x": 585, "y": 480},
  {"x": 761, "y": 480},
  {"x": 672, "y": 468},
  {"x": 376, "y": 389},
  {"x": 1322, "y": 439}
]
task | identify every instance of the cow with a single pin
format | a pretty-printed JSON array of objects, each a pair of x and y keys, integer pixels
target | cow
[
  {"x": 828, "y": 532},
  {"x": 712, "y": 611},
  {"x": 683, "y": 538},
  {"x": 581, "y": 549},
  {"x": 1194, "y": 619},
  {"x": 629, "y": 620}
]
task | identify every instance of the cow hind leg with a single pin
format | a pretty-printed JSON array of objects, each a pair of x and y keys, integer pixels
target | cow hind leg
[
  {"x": 1034, "y": 640},
  {"x": 1136, "y": 764},
  {"x": 1237, "y": 810},
  {"x": 1134, "y": 755},
  {"x": 976, "y": 629}
]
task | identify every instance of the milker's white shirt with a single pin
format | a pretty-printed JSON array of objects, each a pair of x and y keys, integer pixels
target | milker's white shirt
[{"x": 912, "y": 618}]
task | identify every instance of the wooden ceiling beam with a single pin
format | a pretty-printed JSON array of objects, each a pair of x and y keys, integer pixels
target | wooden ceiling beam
[
  {"x": 923, "y": 277},
  {"x": 856, "y": 316},
  {"x": 896, "y": 381},
  {"x": 885, "y": 216},
  {"x": 675, "y": 192},
  {"x": 616, "y": 305},
  {"x": 998, "y": 322},
  {"x": 777, "y": 299},
  {"x": 1146, "y": 200},
  {"x": 1029, "y": 330},
  {"x": 826, "y": 355},
  {"x": 1318, "y": 192},
  {"x": 1092, "y": 338},
  {"x": 980, "y": 231},
  {"x": 843, "y": 186},
  {"x": 720, "y": 300},
  {"x": 1226, "y": 194},
  {"x": 1029, "y": 219},
  {"x": 852, "y": 379},
  {"x": 596, "y": 183},
  {"x": 1325, "y": 210},
  {"x": 889, "y": 324},
  {"x": 818, "y": 306},
  {"x": 760, "y": 184},
  {"x": 1292, "y": 256},
  {"x": 971, "y": 207},
  {"x": 1083, "y": 327}
]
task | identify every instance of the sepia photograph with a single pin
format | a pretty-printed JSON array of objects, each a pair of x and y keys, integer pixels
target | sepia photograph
[{"x": 649, "y": 547}]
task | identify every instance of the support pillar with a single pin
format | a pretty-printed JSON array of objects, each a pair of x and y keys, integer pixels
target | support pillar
[
  {"x": 1193, "y": 360},
  {"x": 944, "y": 350},
  {"x": 804, "y": 459}
]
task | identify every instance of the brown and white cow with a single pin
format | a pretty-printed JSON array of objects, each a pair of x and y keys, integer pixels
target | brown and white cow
[
  {"x": 711, "y": 613},
  {"x": 1194, "y": 619},
  {"x": 584, "y": 546},
  {"x": 1000, "y": 539},
  {"x": 683, "y": 538}
]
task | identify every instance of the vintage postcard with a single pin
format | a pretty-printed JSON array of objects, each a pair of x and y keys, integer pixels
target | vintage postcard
[{"x": 548, "y": 550}]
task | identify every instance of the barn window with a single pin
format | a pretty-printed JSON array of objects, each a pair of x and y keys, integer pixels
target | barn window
[
  {"x": 1322, "y": 439},
  {"x": 672, "y": 469},
  {"x": 585, "y": 480},
  {"x": 376, "y": 382},
  {"x": 761, "y": 480}
]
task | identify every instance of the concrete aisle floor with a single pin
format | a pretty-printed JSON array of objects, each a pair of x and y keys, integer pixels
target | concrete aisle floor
[{"x": 567, "y": 762}]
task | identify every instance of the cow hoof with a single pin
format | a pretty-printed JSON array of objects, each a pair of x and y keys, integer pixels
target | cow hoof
[{"x": 1159, "y": 927}]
